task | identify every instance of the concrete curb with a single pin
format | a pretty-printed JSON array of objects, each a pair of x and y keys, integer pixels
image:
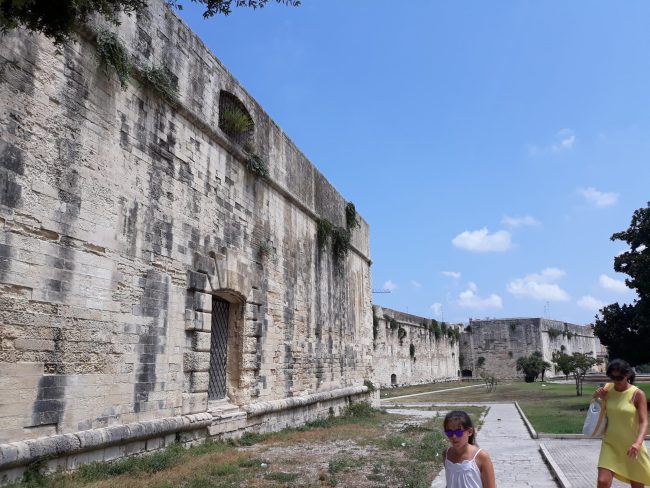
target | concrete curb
[
  {"x": 571, "y": 437},
  {"x": 555, "y": 469},
  {"x": 529, "y": 426}
]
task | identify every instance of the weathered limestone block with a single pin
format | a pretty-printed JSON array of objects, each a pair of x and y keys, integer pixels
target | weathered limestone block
[
  {"x": 196, "y": 361},
  {"x": 195, "y": 402},
  {"x": 201, "y": 341},
  {"x": 202, "y": 302},
  {"x": 198, "y": 321},
  {"x": 199, "y": 381}
]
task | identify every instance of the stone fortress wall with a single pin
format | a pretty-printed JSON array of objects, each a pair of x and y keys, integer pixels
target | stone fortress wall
[
  {"x": 500, "y": 342},
  {"x": 408, "y": 353},
  {"x": 131, "y": 230}
]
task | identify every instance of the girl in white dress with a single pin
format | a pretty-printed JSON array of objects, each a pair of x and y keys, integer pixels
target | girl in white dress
[{"x": 466, "y": 465}]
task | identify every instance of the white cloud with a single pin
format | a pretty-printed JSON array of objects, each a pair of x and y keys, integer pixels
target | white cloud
[
  {"x": 452, "y": 274},
  {"x": 608, "y": 283},
  {"x": 415, "y": 284},
  {"x": 540, "y": 286},
  {"x": 389, "y": 285},
  {"x": 436, "y": 308},
  {"x": 482, "y": 241},
  {"x": 469, "y": 299},
  {"x": 519, "y": 221},
  {"x": 565, "y": 139},
  {"x": 598, "y": 198},
  {"x": 590, "y": 303}
]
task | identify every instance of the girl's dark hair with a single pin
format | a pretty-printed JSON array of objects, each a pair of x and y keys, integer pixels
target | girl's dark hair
[
  {"x": 622, "y": 367},
  {"x": 461, "y": 417}
]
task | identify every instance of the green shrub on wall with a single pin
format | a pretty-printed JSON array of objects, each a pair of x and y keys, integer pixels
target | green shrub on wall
[
  {"x": 401, "y": 334},
  {"x": 160, "y": 80},
  {"x": 256, "y": 165},
  {"x": 113, "y": 55},
  {"x": 234, "y": 121}
]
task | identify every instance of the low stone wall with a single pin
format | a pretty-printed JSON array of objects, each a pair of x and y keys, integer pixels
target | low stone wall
[
  {"x": 408, "y": 353},
  {"x": 68, "y": 451}
]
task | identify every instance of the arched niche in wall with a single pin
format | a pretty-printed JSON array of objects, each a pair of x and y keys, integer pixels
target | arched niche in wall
[{"x": 235, "y": 120}]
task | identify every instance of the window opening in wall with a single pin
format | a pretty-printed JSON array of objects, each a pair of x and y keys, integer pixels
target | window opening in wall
[
  {"x": 234, "y": 119},
  {"x": 393, "y": 379},
  {"x": 218, "y": 349}
]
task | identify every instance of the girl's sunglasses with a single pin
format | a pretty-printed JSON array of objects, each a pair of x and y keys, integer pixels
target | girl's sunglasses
[
  {"x": 456, "y": 432},
  {"x": 614, "y": 377}
]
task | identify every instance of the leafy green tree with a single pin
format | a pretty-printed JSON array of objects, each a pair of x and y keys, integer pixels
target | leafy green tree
[
  {"x": 59, "y": 19},
  {"x": 546, "y": 366},
  {"x": 625, "y": 329},
  {"x": 531, "y": 366},
  {"x": 580, "y": 364},
  {"x": 563, "y": 362}
]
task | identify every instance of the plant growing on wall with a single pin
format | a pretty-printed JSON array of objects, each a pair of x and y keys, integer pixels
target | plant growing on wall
[
  {"x": 323, "y": 232},
  {"x": 256, "y": 165},
  {"x": 412, "y": 350},
  {"x": 160, "y": 80},
  {"x": 340, "y": 243},
  {"x": 513, "y": 326},
  {"x": 401, "y": 334},
  {"x": 436, "y": 329},
  {"x": 265, "y": 249},
  {"x": 113, "y": 55},
  {"x": 553, "y": 333},
  {"x": 570, "y": 335},
  {"x": 392, "y": 323},
  {"x": 480, "y": 361},
  {"x": 375, "y": 326},
  {"x": 234, "y": 121},
  {"x": 370, "y": 385},
  {"x": 351, "y": 220}
]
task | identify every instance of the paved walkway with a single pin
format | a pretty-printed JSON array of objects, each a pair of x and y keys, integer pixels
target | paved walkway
[
  {"x": 516, "y": 457},
  {"x": 577, "y": 458}
]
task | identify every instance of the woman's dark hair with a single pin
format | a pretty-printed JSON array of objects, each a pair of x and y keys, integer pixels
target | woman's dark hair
[
  {"x": 623, "y": 367},
  {"x": 461, "y": 418}
]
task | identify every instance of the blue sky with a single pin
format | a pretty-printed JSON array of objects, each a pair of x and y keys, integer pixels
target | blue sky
[{"x": 493, "y": 147}]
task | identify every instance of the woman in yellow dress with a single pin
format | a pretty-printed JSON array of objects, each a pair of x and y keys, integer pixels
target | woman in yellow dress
[{"x": 623, "y": 454}]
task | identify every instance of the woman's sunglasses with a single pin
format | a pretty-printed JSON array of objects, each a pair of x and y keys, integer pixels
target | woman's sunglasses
[{"x": 456, "y": 432}]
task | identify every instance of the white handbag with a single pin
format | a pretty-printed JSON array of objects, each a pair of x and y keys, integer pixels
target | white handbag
[{"x": 596, "y": 422}]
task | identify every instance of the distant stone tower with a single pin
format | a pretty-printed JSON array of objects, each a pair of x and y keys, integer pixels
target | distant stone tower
[{"x": 495, "y": 345}]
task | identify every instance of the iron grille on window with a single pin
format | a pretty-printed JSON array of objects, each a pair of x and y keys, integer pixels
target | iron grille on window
[{"x": 218, "y": 349}]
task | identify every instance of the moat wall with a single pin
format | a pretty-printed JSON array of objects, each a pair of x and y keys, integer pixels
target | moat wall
[
  {"x": 408, "y": 353},
  {"x": 128, "y": 224},
  {"x": 500, "y": 342}
]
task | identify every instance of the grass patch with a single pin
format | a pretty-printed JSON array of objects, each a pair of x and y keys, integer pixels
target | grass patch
[
  {"x": 281, "y": 477},
  {"x": 369, "y": 453},
  {"x": 552, "y": 408},
  {"x": 153, "y": 463}
]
